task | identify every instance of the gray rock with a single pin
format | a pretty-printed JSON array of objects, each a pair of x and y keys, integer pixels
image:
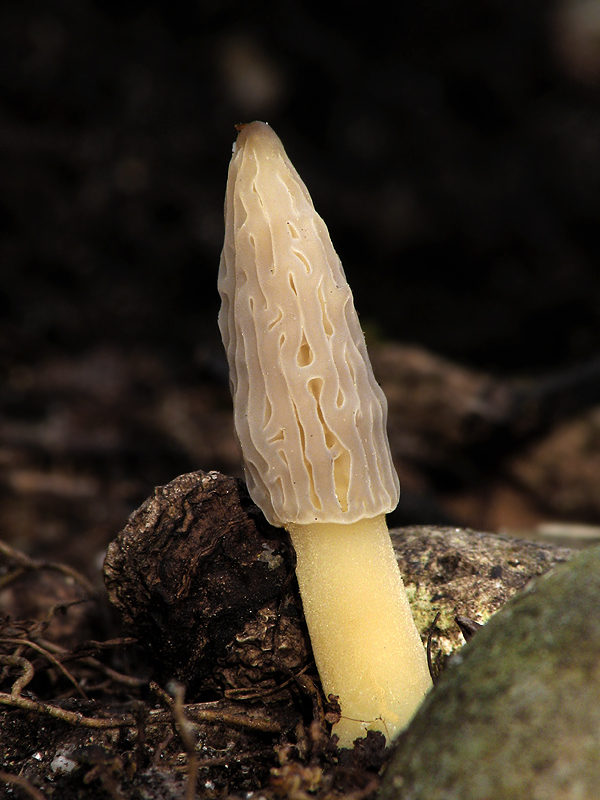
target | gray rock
[
  {"x": 517, "y": 713},
  {"x": 455, "y": 571}
]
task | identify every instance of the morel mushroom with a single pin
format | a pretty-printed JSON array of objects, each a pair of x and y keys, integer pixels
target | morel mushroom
[{"x": 311, "y": 422}]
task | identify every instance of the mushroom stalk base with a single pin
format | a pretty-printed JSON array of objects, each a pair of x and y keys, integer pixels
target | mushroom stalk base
[{"x": 367, "y": 649}]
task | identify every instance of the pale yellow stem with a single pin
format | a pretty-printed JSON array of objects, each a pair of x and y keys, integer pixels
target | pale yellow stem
[{"x": 366, "y": 646}]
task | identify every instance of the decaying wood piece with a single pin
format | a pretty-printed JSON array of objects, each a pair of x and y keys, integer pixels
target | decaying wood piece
[{"x": 206, "y": 584}]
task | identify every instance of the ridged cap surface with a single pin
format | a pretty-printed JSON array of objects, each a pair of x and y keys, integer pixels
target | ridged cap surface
[{"x": 309, "y": 415}]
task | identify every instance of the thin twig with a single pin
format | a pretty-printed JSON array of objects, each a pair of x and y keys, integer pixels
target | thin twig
[
  {"x": 42, "y": 650},
  {"x": 11, "y": 577},
  {"x": 197, "y": 714},
  {"x": 164, "y": 697},
  {"x": 92, "y": 646},
  {"x": 186, "y": 733},
  {"x": 23, "y": 783},
  {"x": 72, "y": 717},
  {"x": 161, "y": 747},
  {"x": 27, "y": 673},
  {"x": 70, "y": 655},
  {"x": 468, "y": 627},
  {"x": 429, "y": 638},
  {"x": 117, "y": 677},
  {"x": 250, "y": 693},
  {"x": 26, "y": 562}
]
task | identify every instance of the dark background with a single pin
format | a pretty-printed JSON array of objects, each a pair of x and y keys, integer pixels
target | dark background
[{"x": 453, "y": 149}]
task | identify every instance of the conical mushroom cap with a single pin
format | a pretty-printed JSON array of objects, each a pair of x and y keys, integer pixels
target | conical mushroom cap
[{"x": 309, "y": 414}]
